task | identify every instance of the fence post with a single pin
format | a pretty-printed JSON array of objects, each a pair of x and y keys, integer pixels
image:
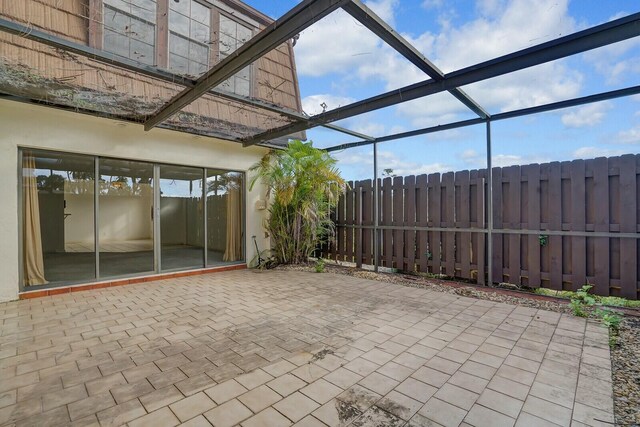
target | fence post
[
  {"x": 376, "y": 208},
  {"x": 489, "y": 253}
]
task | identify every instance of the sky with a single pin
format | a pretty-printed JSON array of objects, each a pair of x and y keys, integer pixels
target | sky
[{"x": 339, "y": 61}]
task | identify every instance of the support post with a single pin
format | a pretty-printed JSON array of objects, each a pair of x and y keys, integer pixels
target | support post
[
  {"x": 489, "y": 253},
  {"x": 376, "y": 209}
]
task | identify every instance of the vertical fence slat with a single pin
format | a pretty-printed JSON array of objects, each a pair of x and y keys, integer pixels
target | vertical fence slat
[
  {"x": 386, "y": 216},
  {"x": 496, "y": 257},
  {"x": 434, "y": 221},
  {"x": 601, "y": 257},
  {"x": 367, "y": 219},
  {"x": 422, "y": 218},
  {"x": 513, "y": 214},
  {"x": 449, "y": 216},
  {"x": 578, "y": 223},
  {"x": 533, "y": 261},
  {"x": 555, "y": 224},
  {"x": 410, "y": 221},
  {"x": 628, "y": 224},
  {"x": 398, "y": 219},
  {"x": 349, "y": 216},
  {"x": 463, "y": 215}
]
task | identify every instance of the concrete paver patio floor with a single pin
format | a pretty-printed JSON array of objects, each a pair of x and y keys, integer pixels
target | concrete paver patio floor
[{"x": 282, "y": 347}]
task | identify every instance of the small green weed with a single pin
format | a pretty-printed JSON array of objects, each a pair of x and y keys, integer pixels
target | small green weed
[
  {"x": 582, "y": 304},
  {"x": 319, "y": 266}
]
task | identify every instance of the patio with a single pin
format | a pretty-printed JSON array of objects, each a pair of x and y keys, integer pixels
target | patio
[{"x": 282, "y": 347}]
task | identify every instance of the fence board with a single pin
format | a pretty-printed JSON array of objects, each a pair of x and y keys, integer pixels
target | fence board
[
  {"x": 628, "y": 224},
  {"x": 578, "y": 223},
  {"x": 398, "y": 219},
  {"x": 349, "y": 219},
  {"x": 601, "y": 256},
  {"x": 555, "y": 224},
  {"x": 533, "y": 220},
  {"x": 497, "y": 273},
  {"x": 410, "y": 221},
  {"x": 367, "y": 219},
  {"x": 422, "y": 218},
  {"x": 387, "y": 207},
  {"x": 434, "y": 221},
  {"x": 481, "y": 223},
  {"x": 513, "y": 215},
  {"x": 449, "y": 216},
  {"x": 463, "y": 219}
]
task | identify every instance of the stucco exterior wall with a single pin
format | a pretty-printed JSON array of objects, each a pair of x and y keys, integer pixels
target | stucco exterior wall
[{"x": 25, "y": 125}]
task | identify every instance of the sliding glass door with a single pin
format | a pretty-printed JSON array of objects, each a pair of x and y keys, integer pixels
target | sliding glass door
[
  {"x": 125, "y": 217},
  {"x": 181, "y": 217},
  {"x": 58, "y": 217},
  {"x": 142, "y": 217},
  {"x": 225, "y": 207}
]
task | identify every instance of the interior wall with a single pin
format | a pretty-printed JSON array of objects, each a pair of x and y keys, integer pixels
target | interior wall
[
  {"x": 77, "y": 133},
  {"x": 125, "y": 218}
]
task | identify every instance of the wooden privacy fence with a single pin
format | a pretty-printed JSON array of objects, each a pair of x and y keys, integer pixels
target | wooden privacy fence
[{"x": 557, "y": 225}]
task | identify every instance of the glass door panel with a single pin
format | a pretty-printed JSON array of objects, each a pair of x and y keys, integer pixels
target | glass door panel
[
  {"x": 225, "y": 219},
  {"x": 125, "y": 217},
  {"x": 58, "y": 217},
  {"x": 181, "y": 217}
]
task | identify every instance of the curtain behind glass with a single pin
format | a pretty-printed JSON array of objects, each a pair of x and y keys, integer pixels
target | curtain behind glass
[{"x": 32, "y": 237}]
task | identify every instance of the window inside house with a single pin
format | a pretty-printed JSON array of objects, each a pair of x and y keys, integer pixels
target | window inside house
[
  {"x": 189, "y": 37},
  {"x": 130, "y": 29},
  {"x": 233, "y": 35}
]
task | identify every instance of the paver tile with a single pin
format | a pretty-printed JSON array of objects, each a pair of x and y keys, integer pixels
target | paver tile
[
  {"x": 161, "y": 397},
  {"x": 225, "y": 391},
  {"x": 228, "y": 414},
  {"x": 267, "y": 418},
  {"x": 400, "y": 405},
  {"x": 480, "y": 416},
  {"x": 443, "y": 413},
  {"x": 296, "y": 406},
  {"x": 321, "y": 391},
  {"x": 259, "y": 398},
  {"x": 192, "y": 406},
  {"x": 160, "y": 418}
]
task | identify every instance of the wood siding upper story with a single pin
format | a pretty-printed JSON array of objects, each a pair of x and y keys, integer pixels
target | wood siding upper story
[{"x": 274, "y": 78}]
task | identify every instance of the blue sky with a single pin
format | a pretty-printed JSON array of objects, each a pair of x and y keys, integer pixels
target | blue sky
[{"x": 339, "y": 61}]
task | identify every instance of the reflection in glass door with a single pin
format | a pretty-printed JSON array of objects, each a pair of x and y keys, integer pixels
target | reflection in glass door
[
  {"x": 224, "y": 217},
  {"x": 58, "y": 217},
  {"x": 181, "y": 217},
  {"x": 125, "y": 217}
]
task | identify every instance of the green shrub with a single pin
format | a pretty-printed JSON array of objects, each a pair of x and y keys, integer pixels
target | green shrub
[
  {"x": 319, "y": 265},
  {"x": 305, "y": 186}
]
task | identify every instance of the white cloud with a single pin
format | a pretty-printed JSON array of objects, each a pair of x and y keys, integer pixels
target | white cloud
[
  {"x": 362, "y": 162},
  {"x": 613, "y": 61},
  {"x": 338, "y": 43},
  {"x": 500, "y": 27},
  {"x": 474, "y": 159},
  {"x": 630, "y": 136},
  {"x": 593, "y": 152},
  {"x": 586, "y": 116},
  {"x": 313, "y": 104}
]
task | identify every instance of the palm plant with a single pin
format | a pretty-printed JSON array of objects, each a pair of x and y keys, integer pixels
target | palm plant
[{"x": 305, "y": 185}]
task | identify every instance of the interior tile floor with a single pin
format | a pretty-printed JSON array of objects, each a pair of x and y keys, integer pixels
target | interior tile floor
[{"x": 277, "y": 348}]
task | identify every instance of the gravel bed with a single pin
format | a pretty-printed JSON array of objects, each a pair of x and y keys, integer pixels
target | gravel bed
[{"x": 625, "y": 355}]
